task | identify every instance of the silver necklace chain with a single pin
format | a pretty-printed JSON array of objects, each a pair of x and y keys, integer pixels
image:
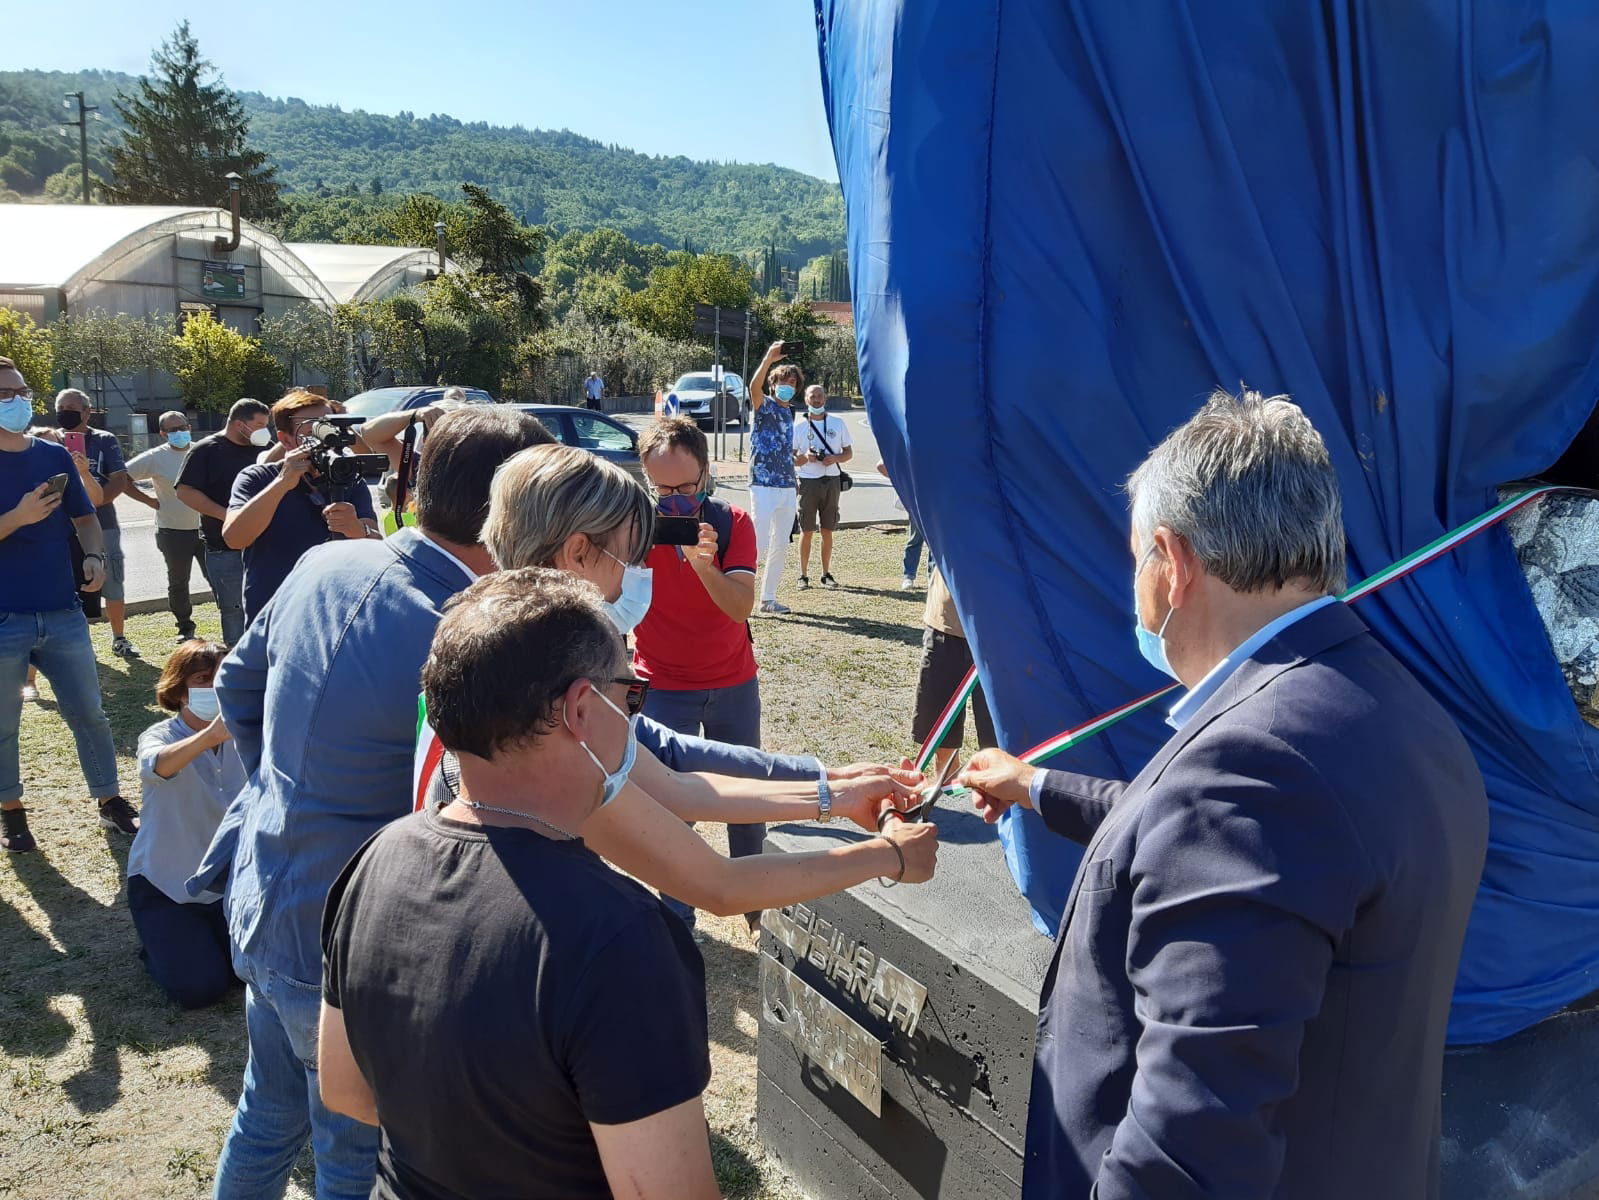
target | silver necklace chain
[{"x": 511, "y": 812}]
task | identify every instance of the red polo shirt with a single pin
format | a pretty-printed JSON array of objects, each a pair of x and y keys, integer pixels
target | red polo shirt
[{"x": 686, "y": 643}]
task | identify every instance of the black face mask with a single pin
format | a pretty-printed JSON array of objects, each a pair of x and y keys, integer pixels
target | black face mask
[{"x": 69, "y": 418}]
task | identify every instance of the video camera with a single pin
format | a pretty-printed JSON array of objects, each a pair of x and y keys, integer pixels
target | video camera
[{"x": 332, "y": 439}]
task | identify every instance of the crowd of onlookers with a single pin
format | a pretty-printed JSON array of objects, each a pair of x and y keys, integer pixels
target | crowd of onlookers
[
  {"x": 389, "y": 801},
  {"x": 293, "y": 739}
]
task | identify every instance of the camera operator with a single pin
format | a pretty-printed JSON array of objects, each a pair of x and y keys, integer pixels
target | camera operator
[{"x": 280, "y": 510}]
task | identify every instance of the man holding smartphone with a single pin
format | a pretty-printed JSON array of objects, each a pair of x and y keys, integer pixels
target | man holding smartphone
[
  {"x": 106, "y": 464},
  {"x": 40, "y": 618}
]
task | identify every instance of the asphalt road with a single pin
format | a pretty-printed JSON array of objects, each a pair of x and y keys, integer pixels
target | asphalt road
[{"x": 869, "y": 502}]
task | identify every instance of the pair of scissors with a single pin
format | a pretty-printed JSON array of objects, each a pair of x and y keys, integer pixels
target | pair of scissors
[{"x": 934, "y": 791}]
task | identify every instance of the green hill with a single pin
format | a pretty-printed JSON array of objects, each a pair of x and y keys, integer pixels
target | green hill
[{"x": 554, "y": 178}]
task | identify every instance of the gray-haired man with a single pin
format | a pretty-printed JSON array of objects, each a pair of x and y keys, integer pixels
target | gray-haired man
[
  {"x": 1252, "y": 978},
  {"x": 177, "y": 526}
]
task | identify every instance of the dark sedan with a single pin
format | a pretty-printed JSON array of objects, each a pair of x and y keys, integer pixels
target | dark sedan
[{"x": 593, "y": 431}]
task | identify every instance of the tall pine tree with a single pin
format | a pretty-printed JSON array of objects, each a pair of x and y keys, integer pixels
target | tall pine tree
[{"x": 185, "y": 132}]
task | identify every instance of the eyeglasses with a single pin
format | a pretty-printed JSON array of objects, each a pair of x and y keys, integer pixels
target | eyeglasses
[
  {"x": 682, "y": 489},
  {"x": 21, "y": 393},
  {"x": 637, "y": 689}
]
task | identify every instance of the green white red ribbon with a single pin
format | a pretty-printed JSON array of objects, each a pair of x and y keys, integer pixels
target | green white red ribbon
[{"x": 1076, "y": 736}]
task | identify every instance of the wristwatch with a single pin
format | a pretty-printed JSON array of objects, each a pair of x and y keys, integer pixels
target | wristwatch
[
  {"x": 92, "y": 554},
  {"x": 824, "y": 799}
]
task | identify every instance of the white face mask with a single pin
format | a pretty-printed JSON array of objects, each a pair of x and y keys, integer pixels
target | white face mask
[
  {"x": 203, "y": 703},
  {"x": 261, "y": 437},
  {"x": 612, "y": 785},
  {"x": 630, "y": 608}
]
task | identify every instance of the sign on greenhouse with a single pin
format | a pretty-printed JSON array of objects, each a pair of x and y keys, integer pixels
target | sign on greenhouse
[{"x": 222, "y": 281}]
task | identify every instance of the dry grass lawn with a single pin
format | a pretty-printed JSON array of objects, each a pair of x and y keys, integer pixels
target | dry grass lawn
[{"x": 107, "y": 1091}]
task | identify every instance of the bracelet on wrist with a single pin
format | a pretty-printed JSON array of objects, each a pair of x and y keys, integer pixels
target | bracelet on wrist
[
  {"x": 899, "y": 854},
  {"x": 824, "y": 800}
]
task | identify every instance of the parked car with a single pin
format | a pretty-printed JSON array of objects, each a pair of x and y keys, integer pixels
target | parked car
[
  {"x": 697, "y": 391},
  {"x": 400, "y": 399},
  {"x": 593, "y": 431}
]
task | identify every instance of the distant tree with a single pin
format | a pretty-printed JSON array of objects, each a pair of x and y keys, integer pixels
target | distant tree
[
  {"x": 184, "y": 133},
  {"x": 209, "y": 360},
  {"x": 375, "y": 186},
  {"x": 666, "y": 306},
  {"x": 792, "y": 322},
  {"x": 27, "y": 345},
  {"x": 99, "y": 343},
  {"x": 306, "y": 337},
  {"x": 66, "y": 186}
]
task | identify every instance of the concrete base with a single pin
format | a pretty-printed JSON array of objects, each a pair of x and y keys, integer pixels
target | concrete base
[
  {"x": 1521, "y": 1117},
  {"x": 954, "y": 1091}
]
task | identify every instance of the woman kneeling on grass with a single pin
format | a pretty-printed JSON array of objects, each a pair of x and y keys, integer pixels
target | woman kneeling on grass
[{"x": 190, "y": 772}]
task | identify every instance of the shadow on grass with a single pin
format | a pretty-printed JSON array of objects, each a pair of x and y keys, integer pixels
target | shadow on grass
[
  {"x": 121, "y": 1007},
  {"x": 729, "y": 988},
  {"x": 738, "y": 1176},
  {"x": 908, "y": 635}
]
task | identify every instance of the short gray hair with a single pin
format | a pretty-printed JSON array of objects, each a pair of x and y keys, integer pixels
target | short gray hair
[
  {"x": 169, "y": 415},
  {"x": 543, "y": 495},
  {"x": 75, "y": 394},
  {"x": 453, "y": 397},
  {"x": 1248, "y": 482}
]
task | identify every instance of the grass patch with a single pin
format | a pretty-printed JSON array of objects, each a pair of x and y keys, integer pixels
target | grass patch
[{"x": 106, "y": 1090}]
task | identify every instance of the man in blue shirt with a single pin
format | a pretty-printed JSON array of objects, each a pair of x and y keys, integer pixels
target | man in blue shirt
[
  {"x": 41, "y": 620},
  {"x": 280, "y": 510}
]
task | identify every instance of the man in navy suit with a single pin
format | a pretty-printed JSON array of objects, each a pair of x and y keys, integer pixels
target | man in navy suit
[{"x": 1252, "y": 976}]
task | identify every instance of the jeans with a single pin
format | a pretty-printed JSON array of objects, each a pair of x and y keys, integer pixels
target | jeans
[
  {"x": 281, "y": 1104},
  {"x": 184, "y": 946},
  {"x": 731, "y": 715},
  {"x": 58, "y": 644},
  {"x": 914, "y": 541},
  {"x": 181, "y": 547},
  {"x": 225, "y": 569},
  {"x": 775, "y": 509}
]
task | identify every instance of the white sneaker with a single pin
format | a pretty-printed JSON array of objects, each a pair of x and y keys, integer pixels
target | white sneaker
[
  {"x": 772, "y": 606},
  {"x": 907, "y": 584}
]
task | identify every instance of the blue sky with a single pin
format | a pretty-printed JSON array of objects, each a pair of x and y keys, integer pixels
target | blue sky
[{"x": 691, "y": 77}]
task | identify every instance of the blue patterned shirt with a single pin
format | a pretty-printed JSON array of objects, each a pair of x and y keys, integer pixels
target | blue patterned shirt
[{"x": 772, "y": 446}]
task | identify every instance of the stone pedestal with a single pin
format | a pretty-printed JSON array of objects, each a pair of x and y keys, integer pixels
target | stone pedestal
[
  {"x": 897, "y": 1025},
  {"x": 896, "y": 1047}
]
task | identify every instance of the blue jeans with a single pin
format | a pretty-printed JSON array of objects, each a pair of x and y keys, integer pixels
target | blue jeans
[
  {"x": 58, "y": 644},
  {"x": 731, "y": 715},
  {"x": 281, "y": 1104},
  {"x": 914, "y": 541},
  {"x": 225, "y": 570}
]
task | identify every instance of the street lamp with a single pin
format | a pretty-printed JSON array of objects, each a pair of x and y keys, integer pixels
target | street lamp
[{"x": 83, "y": 133}]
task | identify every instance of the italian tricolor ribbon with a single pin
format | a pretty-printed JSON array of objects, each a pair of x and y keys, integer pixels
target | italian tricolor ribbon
[{"x": 1081, "y": 733}]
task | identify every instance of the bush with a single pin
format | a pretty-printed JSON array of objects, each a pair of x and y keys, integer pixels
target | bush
[
  {"x": 25, "y": 344},
  {"x": 263, "y": 376},
  {"x": 208, "y": 359}
]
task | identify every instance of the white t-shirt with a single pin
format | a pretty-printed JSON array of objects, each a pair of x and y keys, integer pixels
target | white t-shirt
[
  {"x": 162, "y": 464},
  {"x": 807, "y": 441}
]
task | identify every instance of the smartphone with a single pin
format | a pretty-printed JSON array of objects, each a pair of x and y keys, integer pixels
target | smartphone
[
  {"x": 56, "y": 484},
  {"x": 793, "y": 349},
  {"x": 76, "y": 441},
  {"x": 677, "y": 531}
]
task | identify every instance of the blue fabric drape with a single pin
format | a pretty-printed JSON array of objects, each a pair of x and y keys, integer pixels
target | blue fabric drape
[{"x": 1068, "y": 221}]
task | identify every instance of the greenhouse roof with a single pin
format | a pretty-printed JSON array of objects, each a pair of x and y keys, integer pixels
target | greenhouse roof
[
  {"x": 355, "y": 273},
  {"x": 47, "y": 245}
]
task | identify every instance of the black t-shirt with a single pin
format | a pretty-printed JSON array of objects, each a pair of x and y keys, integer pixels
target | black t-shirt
[
  {"x": 500, "y": 991},
  {"x": 211, "y": 467}
]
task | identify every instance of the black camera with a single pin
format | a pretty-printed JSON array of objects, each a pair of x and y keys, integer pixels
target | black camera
[{"x": 332, "y": 439}]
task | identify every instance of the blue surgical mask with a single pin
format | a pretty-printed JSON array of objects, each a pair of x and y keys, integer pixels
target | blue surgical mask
[
  {"x": 16, "y": 414},
  {"x": 815, "y": 410},
  {"x": 784, "y": 392},
  {"x": 614, "y": 780},
  {"x": 628, "y": 609},
  {"x": 203, "y": 703},
  {"x": 1151, "y": 645},
  {"x": 178, "y": 439}
]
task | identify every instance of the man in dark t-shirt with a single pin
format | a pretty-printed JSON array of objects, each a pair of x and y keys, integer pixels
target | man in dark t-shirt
[
  {"x": 482, "y": 965},
  {"x": 205, "y": 484},
  {"x": 279, "y": 510}
]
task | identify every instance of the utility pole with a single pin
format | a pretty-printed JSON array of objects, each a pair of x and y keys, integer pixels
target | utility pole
[{"x": 83, "y": 133}]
